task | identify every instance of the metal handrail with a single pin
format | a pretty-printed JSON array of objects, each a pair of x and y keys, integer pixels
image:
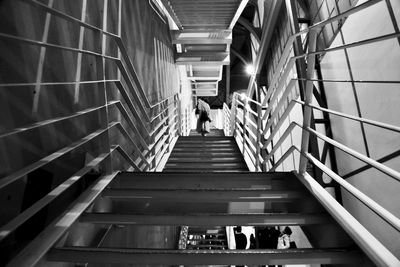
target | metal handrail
[
  {"x": 351, "y": 117},
  {"x": 14, "y": 223},
  {"x": 278, "y": 97},
  {"x": 38, "y": 247},
  {"x": 117, "y": 39},
  {"x": 164, "y": 118},
  {"x": 370, "y": 203}
]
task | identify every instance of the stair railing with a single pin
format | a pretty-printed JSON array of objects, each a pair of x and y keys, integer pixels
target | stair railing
[
  {"x": 148, "y": 128},
  {"x": 259, "y": 145}
]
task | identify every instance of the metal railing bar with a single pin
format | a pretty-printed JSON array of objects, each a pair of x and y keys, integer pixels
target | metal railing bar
[
  {"x": 351, "y": 117},
  {"x": 282, "y": 100},
  {"x": 129, "y": 159},
  {"x": 129, "y": 101},
  {"x": 281, "y": 120},
  {"x": 370, "y": 203},
  {"x": 160, "y": 134},
  {"x": 346, "y": 81},
  {"x": 165, "y": 144},
  {"x": 239, "y": 128},
  {"x": 248, "y": 108},
  {"x": 43, "y": 44},
  {"x": 281, "y": 79},
  {"x": 55, "y": 83},
  {"x": 250, "y": 144},
  {"x": 132, "y": 108},
  {"x": 280, "y": 141},
  {"x": 52, "y": 121},
  {"x": 69, "y": 18},
  {"x": 163, "y": 151},
  {"x": 239, "y": 137},
  {"x": 158, "y": 146},
  {"x": 14, "y": 223},
  {"x": 283, "y": 158},
  {"x": 127, "y": 136},
  {"x": 36, "y": 249},
  {"x": 251, "y": 156},
  {"x": 284, "y": 59},
  {"x": 354, "y": 44},
  {"x": 240, "y": 118},
  {"x": 53, "y": 156},
  {"x": 132, "y": 70},
  {"x": 288, "y": 48},
  {"x": 117, "y": 38},
  {"x": 76, "y": 50},
  {"x": 239, "y": 102},
  {"x": 156, "y": 128},
  {"x": 247, "y": 98},
  {"x": 338, "y": 17},
  {"x": 251, "y": 133},
  {"x": 379, "y": 166},
  {"x": 133, "y": 73},
  {"x": 128, "y": 119},
  {"x": 369, "y": 244},
  {"x": 366, "y": 167},
  {"x": 162, "y": 111},
  {"x": 249, "y": 120}
]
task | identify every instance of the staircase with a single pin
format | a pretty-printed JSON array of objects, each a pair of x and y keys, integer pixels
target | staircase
[
  {"x": 202, "y": 200},
  {"x": 138, "y": 215}
]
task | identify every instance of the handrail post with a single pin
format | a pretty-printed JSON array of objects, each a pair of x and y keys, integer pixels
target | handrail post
[
  {"x": 245, "y": 103},
  {"x": 260, "y": 136},
  {"x": 233, "y": 115},
  {"x": 307, "y": 113},
  {"x": 101, "y": 75}
]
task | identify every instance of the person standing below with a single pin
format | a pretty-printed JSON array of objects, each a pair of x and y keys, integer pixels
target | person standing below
[
  {"x": 203, "y": 119},
  {"x": 240, "y": 238},
  {"x": 284, "y": 239}
]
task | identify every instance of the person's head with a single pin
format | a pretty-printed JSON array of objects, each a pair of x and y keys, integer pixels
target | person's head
[
  {"x": 238, "y": 229},
  {"x": 287, "y": 230}
]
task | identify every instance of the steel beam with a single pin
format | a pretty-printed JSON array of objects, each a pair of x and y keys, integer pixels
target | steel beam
[
  {"x": 220, "y": 219},
  {"x": 205, "y": 195},
  {"x": 205, "y": 257}
]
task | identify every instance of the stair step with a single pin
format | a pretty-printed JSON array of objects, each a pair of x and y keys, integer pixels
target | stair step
[
  {"x": 207, "y": 239},
  {"x": 204, "y": 147},
  {"x": 201, "y": 219},
  {"x": 205, "y": 154},
  {"x": 205, "y": 195},
  {"x": 243, "y": 179},
  {"x": 206, "y": 165},
  {"x": 185, "y": 170},
  {"x": 208, "y": 149},
  {"x": 105, "y": 255},
  {"x": 215, "y": 143},
  {"x": 203, "y": 159},
  {"x": 207, "y": 140}
]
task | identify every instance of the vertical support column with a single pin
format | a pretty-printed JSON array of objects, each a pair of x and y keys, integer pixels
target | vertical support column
[
  {"x": 79, "y": 56},
  {"x": 305, "y": 138},
  {"x": 259, "y": 130},
  {"x": 119, "y": 33},
  {"x": 302, "y": 72},
  {"x": 42, "y": 56},
  {"x": 245, "y": 103},
  {"x": 228, "y": 83},
  {"x": 101, "y": 75}
]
